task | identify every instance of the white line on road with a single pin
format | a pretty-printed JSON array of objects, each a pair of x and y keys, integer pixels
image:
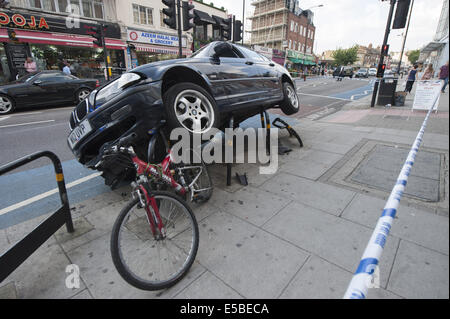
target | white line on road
[
  {"x": 324, "y": 96},
  {"x": 47, "y": 194},
  {"x": 4, "y": 118},
  {"x": 30, "y": 123}
]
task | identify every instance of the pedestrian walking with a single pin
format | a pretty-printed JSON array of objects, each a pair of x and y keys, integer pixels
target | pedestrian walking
[
  {"x": 30, "y": 65},
  {"x": 428, "y": 74},
  {"x": 412, "y": 77},
  {"x": 443, "y": 76},
  {"x": 66, "y": 68},
  {"x": 341, "y": 75}
]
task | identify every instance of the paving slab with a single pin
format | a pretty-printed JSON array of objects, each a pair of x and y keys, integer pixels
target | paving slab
[
  {"x": 321, "y": 196},
  {"x": 43, "y": 275},
  {"x": 208, "y": 286},
  {"x": 242, "y": 255},
  {"x": 103, "y": 281},
  {"x": 334, "y": 239},
  {"x": 420, "y": 227},
  {"x": 251, "y": 204},
  {"x": 8, "y": 291},
  {"x": 83, "y": 295},
  {"x": 419, "y": 273}
]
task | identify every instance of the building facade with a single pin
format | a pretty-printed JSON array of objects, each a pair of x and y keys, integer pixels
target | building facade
[
  {"x": 437, "y": 51},
  {"x": 53, "y": 31},
  {"x": 283, "y": 26},
  {"x": 368, "y": 57}
]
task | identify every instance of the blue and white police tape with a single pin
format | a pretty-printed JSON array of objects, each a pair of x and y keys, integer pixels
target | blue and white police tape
[{"x": 362, "y": 280}]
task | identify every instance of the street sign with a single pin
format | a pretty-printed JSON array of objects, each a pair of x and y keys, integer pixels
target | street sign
[{"x": 426, "y": 94}]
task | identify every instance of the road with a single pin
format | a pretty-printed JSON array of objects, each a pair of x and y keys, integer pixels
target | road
[{"x": 27, "y": 192}]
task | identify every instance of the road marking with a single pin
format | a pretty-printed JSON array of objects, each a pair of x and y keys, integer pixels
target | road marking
[
  {"x": 47, "y": 194},
  {"x": 30, "y": 123},
  {"x": 4, "y": 118},
  {"x": 324, "y": 96}
]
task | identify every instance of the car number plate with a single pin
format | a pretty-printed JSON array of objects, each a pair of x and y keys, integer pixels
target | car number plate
[{"x": 79, "y": 133}]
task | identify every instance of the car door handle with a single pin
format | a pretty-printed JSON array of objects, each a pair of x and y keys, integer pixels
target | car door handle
[
  {"x": 249, "y": 63},
  {"x": 272, "y": 64}
]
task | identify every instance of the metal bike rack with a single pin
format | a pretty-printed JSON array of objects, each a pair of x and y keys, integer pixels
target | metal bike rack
[{"x": 15, "y": 256}]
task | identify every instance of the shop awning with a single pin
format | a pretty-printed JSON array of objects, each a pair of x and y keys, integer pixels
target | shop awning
[
  {"x": 295, "y": 60},
  {"x": 60, "y": 39},
  {"x": 432, "y": 46},
  {"x": 203, "y": 17},
  {"x": 219, "y": 21},
  {"x": 159, "y": 49}
]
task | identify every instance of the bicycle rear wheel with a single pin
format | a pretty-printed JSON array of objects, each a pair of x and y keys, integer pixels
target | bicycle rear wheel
[{"x": 145, "y": 262}]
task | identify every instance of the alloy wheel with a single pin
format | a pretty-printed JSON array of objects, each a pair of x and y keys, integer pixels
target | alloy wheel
[
  {"x": 194, "y": 111},
  {"x": 292, "y": 96},
  {"x": 5, "y": 105},
  {"x": 83, "y": 95}
]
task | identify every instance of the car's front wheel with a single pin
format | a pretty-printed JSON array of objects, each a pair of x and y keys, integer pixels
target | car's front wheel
[
  {"x": 82, "y": 94},
  {"x": 191, "y": 107},
  {"x": 291, "y": 103},
  {"x": 6, "y": 104}
]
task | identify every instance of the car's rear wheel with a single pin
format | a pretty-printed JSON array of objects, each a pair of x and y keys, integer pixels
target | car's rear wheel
[
  {"x": 191, "y": 107},
  {"x": 82, "y": 94},
  {"x": 291, "y": 103},
  {"x": 7, "y": 105}
]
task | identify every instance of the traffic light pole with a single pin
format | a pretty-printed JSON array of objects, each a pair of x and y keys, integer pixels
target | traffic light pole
[
  {"x": 405, "y": 37},
  {"x": 105, "y": 52},
  {"x": 180, "y": 34},
  {"x": 386, "y": 38}
]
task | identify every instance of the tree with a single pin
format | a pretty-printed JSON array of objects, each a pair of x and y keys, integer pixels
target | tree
[
  {"x": 413, "y": 56},
  {"x": 346, "y": 56}
]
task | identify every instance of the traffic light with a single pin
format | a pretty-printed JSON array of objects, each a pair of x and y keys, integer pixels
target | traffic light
[
  {"x": 98, "y": 33},
  {"x": 171, "y": 13},
  {"x": 385, "y": 50},
  {"x": 381, "y": 69},
  {"x": 226, "y": 31},
  {"x": 237, "y": 31},
  {"x": 401, "y": 15},
  {"x": 188, "y": 16}
]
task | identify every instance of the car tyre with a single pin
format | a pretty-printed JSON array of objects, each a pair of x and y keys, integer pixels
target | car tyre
[
  {"x": 291, "y": 102},
  {"x": 82, "y": 94},
  {"x": 7, "y": 105},
  {"x": 191, "y": 107}
]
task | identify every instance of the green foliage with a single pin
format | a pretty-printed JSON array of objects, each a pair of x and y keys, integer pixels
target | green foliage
[
  {"x": 345, "y": 56},
  {"x": 413, "y": 56}
]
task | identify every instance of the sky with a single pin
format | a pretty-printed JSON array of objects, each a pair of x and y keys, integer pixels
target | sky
[{"x": 343, "y": 23}]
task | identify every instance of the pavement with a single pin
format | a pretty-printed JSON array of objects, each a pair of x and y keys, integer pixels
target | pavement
[{"x": 299, "y": 233}]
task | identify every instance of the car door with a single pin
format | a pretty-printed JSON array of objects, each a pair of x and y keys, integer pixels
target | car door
[
  {"x": 241, "y": 79},
  {"x": 270, "y": 78},
  {"x": 59, "y": 86}
]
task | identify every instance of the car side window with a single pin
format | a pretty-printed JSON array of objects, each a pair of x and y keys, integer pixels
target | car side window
[
  {"x": 51, "y": 77},
  {"x": 252, "y": 55},
  {"x": 232, "y": 53}
]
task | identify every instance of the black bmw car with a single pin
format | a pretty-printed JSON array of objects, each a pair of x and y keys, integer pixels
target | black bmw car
[
  {"x": 44, "y": 88},
  {"x": 199, "y": 93}
]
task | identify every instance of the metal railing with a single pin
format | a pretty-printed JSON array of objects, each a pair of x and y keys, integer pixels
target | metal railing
[{"x": 20, "y": 252}]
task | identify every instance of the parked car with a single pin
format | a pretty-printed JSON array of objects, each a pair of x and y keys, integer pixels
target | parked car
[
  {"x": 362, "y": 73},
  {"x": 44, "y": 88},
  {"x": 373, "y": 72},
  {"x": 199, "y": 93},
  {"x": 348, "y": 71}
]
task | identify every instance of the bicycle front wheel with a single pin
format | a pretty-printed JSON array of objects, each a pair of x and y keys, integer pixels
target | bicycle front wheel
[{"x": 150, "y": 263}]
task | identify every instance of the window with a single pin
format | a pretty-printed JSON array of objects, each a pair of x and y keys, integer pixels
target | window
[
  {"x": 86, "y": 8},
  {"x": 299, "y": 46},
  {"x": 233, "y": 53},
  {"x": 292, "y": 25},
  {"x": 296, "y": 27},
  {"x": 142, "y": 15},
  {"x": 163, "y": 16},
  {"x": 252, "y": 54},
  {"x": 290, "y": 44},
  {"x": 295, "y": 45},
  {"x": 312, "y": 34},
  {"x": 304, "y": 32},
  {"x": 301, "y": 30}
]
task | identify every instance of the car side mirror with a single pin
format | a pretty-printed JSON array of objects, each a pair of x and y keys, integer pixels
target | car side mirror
[
  {"x": 37, "y": 82},
  {"x": 221, "y": 48}
]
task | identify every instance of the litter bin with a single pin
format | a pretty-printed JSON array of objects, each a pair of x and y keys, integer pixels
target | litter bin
[
  {"x": 400, "y": 98},
  {"x": 386, "y": 94}
]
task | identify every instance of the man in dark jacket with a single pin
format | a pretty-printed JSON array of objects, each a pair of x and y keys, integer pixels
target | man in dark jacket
[{"x": 443, "y": 76}]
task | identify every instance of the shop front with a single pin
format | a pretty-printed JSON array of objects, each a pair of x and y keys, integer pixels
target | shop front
[
  {"x": 146, "y": 47},
  {"x": 50, "y": 42}
]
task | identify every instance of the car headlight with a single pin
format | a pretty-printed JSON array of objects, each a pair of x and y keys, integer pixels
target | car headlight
[{"x": 116, "y": 87}]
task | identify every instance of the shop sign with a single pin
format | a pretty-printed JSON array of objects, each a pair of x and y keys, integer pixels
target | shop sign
[
  {"x": 18, "y": 20},
  {"x": 154, "y": 38}
]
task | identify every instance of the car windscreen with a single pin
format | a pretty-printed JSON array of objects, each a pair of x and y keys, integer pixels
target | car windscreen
[
  {"x": 26, "y": 78},
  {"x": 362, "y": 70}
]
